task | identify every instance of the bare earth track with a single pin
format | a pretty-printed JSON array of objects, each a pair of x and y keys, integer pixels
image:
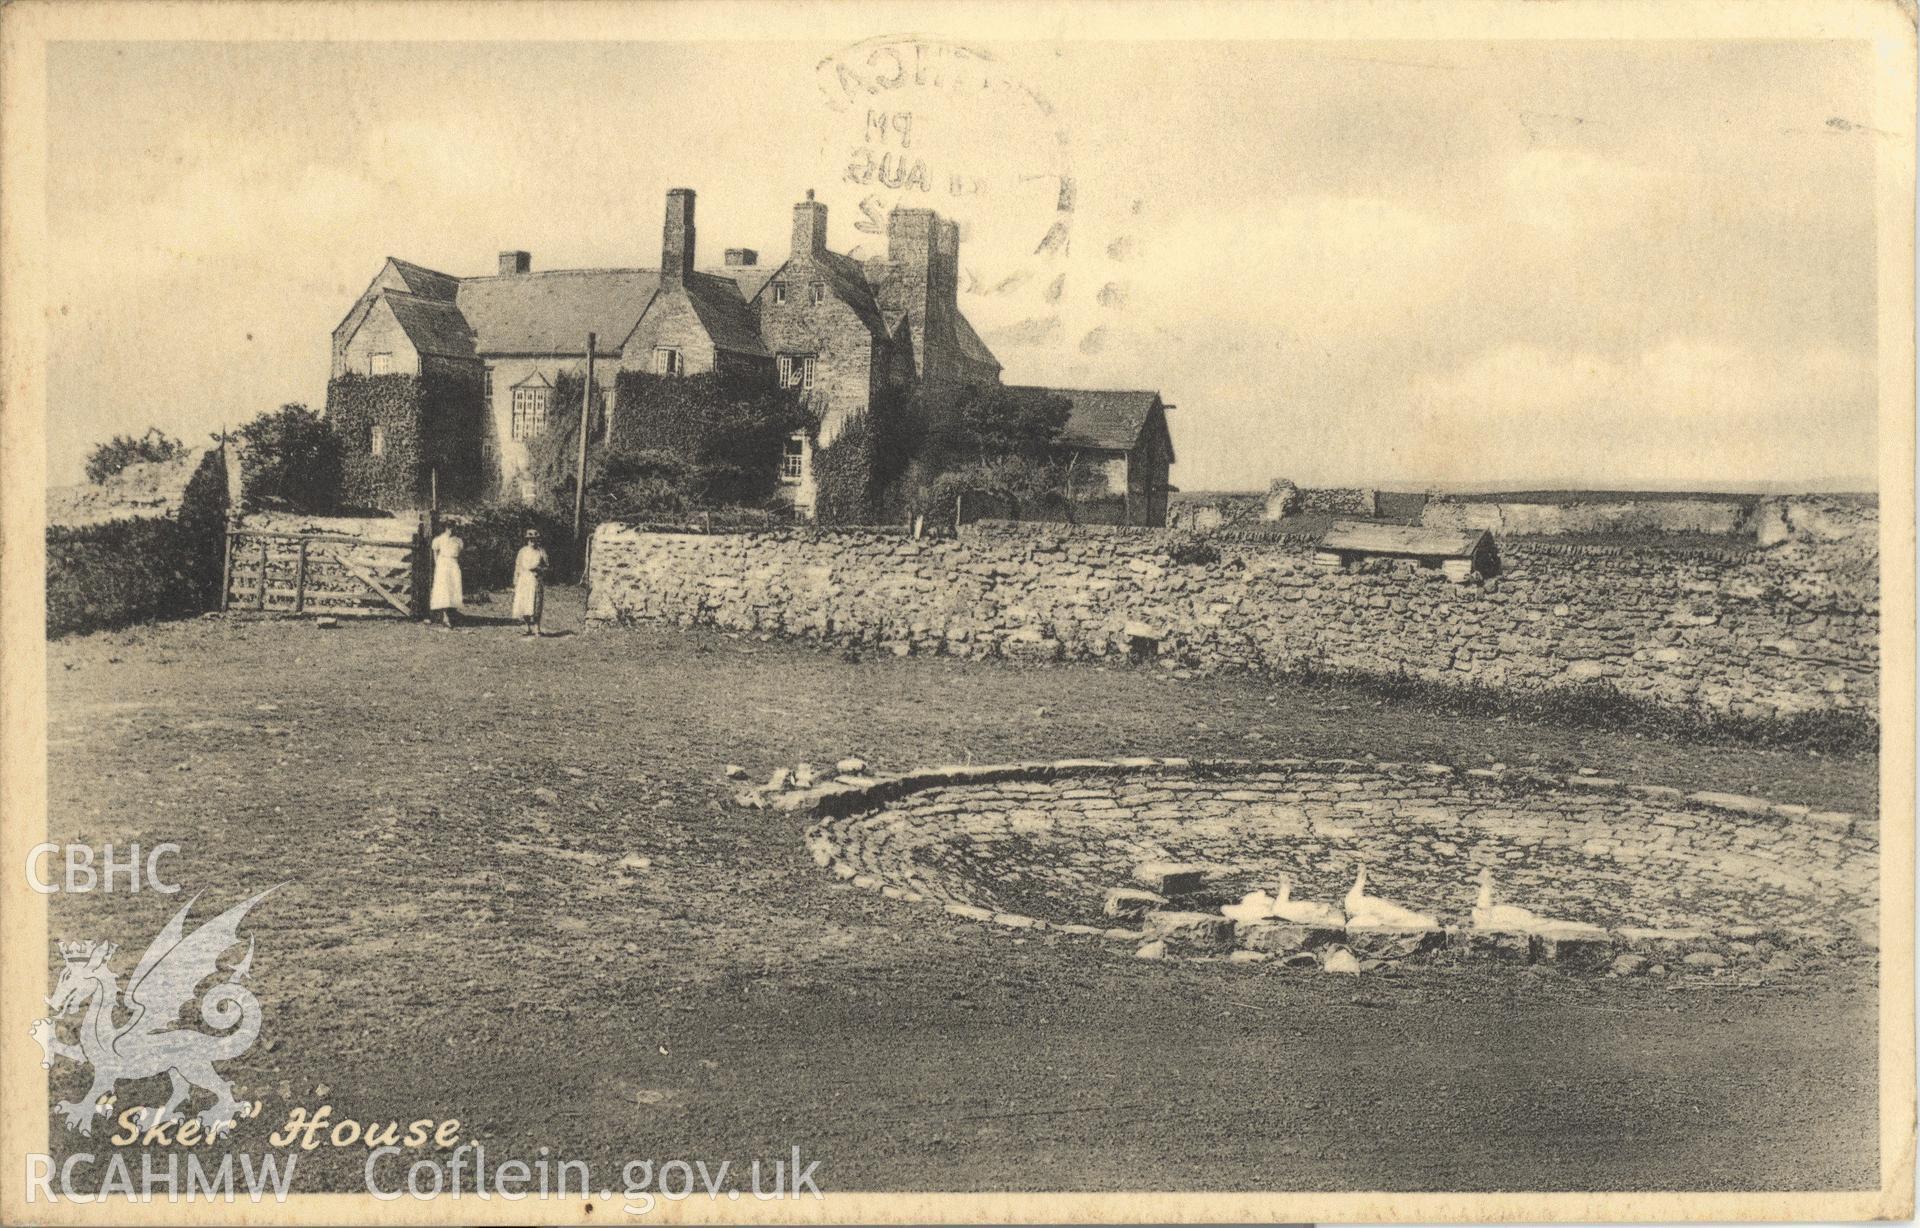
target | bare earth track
[{"x": 460, "y": 939}]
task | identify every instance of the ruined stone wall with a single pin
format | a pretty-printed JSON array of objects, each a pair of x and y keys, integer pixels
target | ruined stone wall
[
  {"x": 1759, "y": 633},
  {"x": 1521, "y": 518}
]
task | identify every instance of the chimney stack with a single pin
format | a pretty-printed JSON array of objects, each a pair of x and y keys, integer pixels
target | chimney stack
[
  {"x": 676, "y": 245},
  {"x": 512, "y": 263},
  {"x": 742, "y": 257},
  {"x": 809, "y": 228}
]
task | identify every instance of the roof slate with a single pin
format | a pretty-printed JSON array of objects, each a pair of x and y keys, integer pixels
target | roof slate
[
  {"x": 552, "y": 313},
  {"x": 729, "y": 322},
  {"x": 434, "y": 326},
  {"x": 970, "y": 343},
  {"x": 424, "y": 281},
  {"x": 1111, "y": 419}
]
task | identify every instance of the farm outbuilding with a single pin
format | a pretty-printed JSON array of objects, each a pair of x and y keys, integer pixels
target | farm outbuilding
[{"x": 1459, "y": 554}]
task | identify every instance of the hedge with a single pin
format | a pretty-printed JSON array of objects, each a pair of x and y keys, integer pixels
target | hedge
[{"x": 138, "y": 569}]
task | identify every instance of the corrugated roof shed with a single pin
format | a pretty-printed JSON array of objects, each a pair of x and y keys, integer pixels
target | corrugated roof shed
[{"x": 1362, "y": 537}]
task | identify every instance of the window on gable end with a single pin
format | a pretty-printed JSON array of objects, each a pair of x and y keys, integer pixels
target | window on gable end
[
  {"x": 817, "y": 293},
  {"x": 779, "y": 294}
]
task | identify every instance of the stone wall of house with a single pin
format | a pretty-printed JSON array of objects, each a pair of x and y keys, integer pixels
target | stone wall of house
[{"x": 1757, "y": 633}]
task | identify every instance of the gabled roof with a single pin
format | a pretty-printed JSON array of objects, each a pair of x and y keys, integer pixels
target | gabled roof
[
  {"x": 434, "y": 326},
  {"x": 848, "y": 282},
  {"x": 730, "y": 323},
  {"x": 1364, "y": 537},
  {"x": 424, "y": 281},
  {"x": 1111, "y": 419},
  {"x": 535, "y": 380},
  {"x": 552, "y": 313},
  {"x": 750, "y": 278},
  {"x": 970, "y": 343}
]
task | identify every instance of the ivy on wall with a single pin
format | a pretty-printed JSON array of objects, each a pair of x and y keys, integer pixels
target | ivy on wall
[
  {"x": 429, "y": 428},
  {"x": 729, "y": 427},
  {"x": 843, "y": 476}
]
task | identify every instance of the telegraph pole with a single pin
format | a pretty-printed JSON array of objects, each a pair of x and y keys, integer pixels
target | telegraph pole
[{"x": 580, "y": 472}]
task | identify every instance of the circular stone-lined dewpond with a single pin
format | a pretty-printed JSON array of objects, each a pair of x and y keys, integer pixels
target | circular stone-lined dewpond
[{"x": 1047, "y": 841}]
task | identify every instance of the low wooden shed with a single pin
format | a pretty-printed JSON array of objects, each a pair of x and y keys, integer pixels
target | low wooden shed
[{"x": 1457, "y": 553}]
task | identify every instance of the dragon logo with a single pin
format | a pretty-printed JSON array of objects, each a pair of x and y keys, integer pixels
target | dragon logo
[{"x": 148, "y": 1043}]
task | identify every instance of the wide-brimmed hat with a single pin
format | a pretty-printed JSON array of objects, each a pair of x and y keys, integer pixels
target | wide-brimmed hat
[{"x": 533, "y": 535}]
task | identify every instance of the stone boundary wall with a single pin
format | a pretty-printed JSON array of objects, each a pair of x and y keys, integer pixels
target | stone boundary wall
[
  {"x": 1336, "y": 500},
  {"x": 1521, "y": 519},
  {"x": 874, "y": 831},
  {"x": 1757, "y": 637}
]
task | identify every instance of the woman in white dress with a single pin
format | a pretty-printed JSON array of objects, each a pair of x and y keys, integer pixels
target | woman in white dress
[
  {"x": 530, "y": 583},
  {"x": 448, "y": 595}
]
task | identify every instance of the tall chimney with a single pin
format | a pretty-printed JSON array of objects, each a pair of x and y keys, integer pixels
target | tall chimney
[
  {"x": 676, "y": 244},
  {"x": 512, "y": 263},
  {"x": 809, "y": 228}
]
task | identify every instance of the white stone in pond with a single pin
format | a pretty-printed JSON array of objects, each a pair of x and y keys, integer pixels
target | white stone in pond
[
  {"x": 736, "y": 772},
  {"x": 1152, "y": 950},
  {"x": 852, "y": 765},
  {"x": 1341, "y": 960},
  {"x": 804, "y": 775}
]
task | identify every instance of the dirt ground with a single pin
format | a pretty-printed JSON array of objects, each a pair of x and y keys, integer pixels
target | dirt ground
[{"x": 459, "y": 938}]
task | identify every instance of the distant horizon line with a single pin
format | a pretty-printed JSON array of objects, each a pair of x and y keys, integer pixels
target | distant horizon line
[{"x": 1818, "y": 486}]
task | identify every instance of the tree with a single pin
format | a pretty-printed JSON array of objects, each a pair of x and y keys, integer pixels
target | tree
[
  {"x": 290, "y": 456},
  {"x": 987, "y": 423},
  {"x": 117, "y": 453}
]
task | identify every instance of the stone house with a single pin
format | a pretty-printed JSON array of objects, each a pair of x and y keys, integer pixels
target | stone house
[
  {"x": 841, "y": 333},
  {"x": 1121, "y": 435}
]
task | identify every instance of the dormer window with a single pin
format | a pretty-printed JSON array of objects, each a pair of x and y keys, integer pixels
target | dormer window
[
  {"x": 779, "y": 294},
  {"x": 666, "y": 361},
  {"x": 817, "y": 293},
  {"x": 532, "y": 397}
]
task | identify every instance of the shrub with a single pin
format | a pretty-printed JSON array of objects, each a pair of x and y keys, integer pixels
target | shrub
[
  {"x": 117, "y": 453},
  {"x": 1190, "y": 550},
  {"x": 292, "y": 457},
  {"x": 728, "y": 428},
  {"x": 494, "y": 533}
]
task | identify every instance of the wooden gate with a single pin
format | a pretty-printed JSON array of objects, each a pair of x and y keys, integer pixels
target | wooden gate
[{"x": 322, "y": 573}]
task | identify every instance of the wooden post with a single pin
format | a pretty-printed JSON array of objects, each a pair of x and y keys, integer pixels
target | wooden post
[
  {"x": 226, "y": 570},
  {"x": 433, "y": 486},
  {"x": 261, "y": 603},
  {"x": 580, "y": 470},
  {"x": 300, "y": 580}
]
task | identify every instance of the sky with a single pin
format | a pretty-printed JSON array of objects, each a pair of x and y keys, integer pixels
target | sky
[{"x": 1570, "y": 264}]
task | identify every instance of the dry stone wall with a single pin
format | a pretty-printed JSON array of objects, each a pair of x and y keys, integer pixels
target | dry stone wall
[{"x": 1757, "y": 635}]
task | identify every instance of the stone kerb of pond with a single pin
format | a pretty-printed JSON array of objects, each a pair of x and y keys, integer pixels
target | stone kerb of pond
[{"x": 1699, "y": 881}]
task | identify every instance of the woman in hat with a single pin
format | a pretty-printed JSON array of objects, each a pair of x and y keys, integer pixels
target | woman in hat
[{"x": 529, "y": 582}]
